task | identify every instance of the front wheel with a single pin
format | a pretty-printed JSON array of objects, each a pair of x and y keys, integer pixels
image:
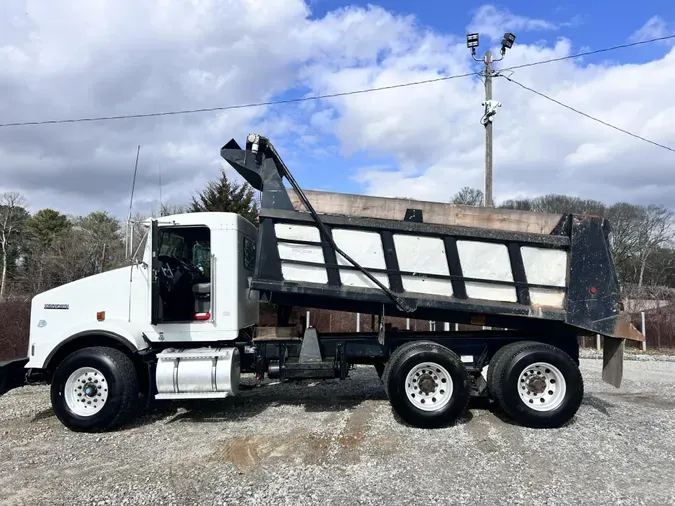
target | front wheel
[
  {"x": 95, "y": 389},
  {"x": 537, "y": 385},
  {"x": 427, "y": 384}
]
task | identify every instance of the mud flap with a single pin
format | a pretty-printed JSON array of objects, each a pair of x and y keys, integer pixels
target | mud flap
[
  {"x": 12, "y": 375},
  {"x": 612, "y": 360}
]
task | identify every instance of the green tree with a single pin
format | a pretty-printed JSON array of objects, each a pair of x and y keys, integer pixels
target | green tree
[
  {"x": 102, "y": 241},
  {"x": 89, "y": 245},
  {"x": 46, "y": 225},
  {"x": 224, "y": 195},
  {"x": 42, "y": 231}
]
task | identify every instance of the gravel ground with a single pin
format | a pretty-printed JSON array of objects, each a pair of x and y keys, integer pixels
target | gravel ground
[
  {"x": 631, "y": 355},
  {"x": 338, "y": 443}
]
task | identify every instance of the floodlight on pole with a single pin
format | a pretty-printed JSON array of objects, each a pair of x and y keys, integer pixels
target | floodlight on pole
[
  {"x": 507, "y": 41},
  {"x": 472, "y": 42},
  {"x": 489, "y": 104}
]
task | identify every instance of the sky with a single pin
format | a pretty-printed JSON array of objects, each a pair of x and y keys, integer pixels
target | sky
[{"x": 73, "y": 59}]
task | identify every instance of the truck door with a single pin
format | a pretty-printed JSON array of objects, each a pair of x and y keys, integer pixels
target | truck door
[{"x": 156, "y": 312}]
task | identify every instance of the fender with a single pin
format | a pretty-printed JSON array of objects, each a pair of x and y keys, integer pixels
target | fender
[{"x": 112, "y": 331}]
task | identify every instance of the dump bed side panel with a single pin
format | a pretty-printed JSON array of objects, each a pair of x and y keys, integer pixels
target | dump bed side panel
[{"x": 430, "y": 266}]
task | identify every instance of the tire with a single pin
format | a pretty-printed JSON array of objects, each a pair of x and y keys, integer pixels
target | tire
[
  {"x": 492, "y": 366},
  {"x": 93, "y": 375},
  {"x": 537, "y": 385},
  {"x": 434, "y": 366}
]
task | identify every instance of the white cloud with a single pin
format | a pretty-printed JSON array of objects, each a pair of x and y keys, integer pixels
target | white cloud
[
  {"x": 493, "y": 22},
  {"x": 124, "y": 57},
  {"x": 656, "y": 27},
  {"x": 433, "y": 131},
  {"x": 115, "y": 58},
  {"x": 120, "y": 57}
]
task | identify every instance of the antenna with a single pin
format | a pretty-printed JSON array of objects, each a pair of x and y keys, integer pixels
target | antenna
[
  {"x": 130, "y": 230},
  {"x": 160, "y": 188}
]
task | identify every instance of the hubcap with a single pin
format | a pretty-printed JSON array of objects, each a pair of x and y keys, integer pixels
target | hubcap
[
  {"x": 541, "y": 386},
  {"x": 428, "y": 386},
  {"x": 86, "y": 391}
]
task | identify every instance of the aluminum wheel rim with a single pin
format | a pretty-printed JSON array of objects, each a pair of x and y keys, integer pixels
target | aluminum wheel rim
[
  {"x": 541, "y": 386},
  {"x": 86, "y": 391},
  {"x": 429, "y": 386}
]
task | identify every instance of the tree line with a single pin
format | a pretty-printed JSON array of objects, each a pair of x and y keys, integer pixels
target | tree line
[
  {"x": 642, "y": 238},
  {"x": 47, "y": 248}
]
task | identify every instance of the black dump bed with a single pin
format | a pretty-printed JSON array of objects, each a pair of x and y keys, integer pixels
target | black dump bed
[{"x": 494, "y": 267}]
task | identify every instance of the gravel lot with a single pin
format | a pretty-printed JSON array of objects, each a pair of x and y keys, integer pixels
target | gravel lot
[{"x": 338, "y": 443}]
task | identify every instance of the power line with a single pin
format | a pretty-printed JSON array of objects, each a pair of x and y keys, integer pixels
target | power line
[
  {"x": 320, "y": 97},
  {"x": 589, "y": 53},
  {"x": 239, "y": 106},
  {"x": 588, "y": 115}
]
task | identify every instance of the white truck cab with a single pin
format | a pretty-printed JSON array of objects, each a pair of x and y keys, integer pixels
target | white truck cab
[
  {"x": 192, "y": 285},
  {"x": 165, "y": 325}
]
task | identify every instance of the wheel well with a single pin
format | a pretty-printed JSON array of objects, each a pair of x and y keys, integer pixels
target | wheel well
[
  {"x": 95, "y": 339},
  {"x": 568, "y": 343}
]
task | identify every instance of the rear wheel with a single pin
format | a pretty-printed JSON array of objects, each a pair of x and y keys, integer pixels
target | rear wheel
[
  {"x": 492, "y": 367},
  {"x": 537, "y": 385},
  {"x": 95, "y": 389},
  {"x": 427, "y": 384}
]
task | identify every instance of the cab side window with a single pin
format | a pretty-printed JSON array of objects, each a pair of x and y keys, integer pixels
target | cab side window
[{"x": 201, "y": 257}]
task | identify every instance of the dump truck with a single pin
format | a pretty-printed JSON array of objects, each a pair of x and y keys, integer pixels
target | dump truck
[{"x": 182, "y": 323}]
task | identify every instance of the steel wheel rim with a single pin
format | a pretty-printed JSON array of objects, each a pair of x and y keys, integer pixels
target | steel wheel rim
[
  {"x": 86, "y": 391},
  {"x": 542, "y": 387},
  {"x": 429, "y": 386}
]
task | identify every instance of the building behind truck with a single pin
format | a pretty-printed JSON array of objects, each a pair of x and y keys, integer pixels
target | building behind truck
[{"x": 182, "y": 323}]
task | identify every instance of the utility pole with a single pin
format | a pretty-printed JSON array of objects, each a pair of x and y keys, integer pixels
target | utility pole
[
  {"x": 487, "y": 192},
  {"x": 489, "y": 104}
]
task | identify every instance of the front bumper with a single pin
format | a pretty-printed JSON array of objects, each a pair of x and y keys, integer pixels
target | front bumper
[{"x": 12, "y": 374}]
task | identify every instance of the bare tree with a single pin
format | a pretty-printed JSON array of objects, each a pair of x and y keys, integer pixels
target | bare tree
[
  {"x": 624, "y": 219},
  {"x": 564, "y": 204},
  {"x": 655, "y": 230},
  {"x": 641, "y": 235},
  {"x": 468, "y": 196},
  {"x": 139, "y": 235},
  {"x": 12, "y": 217},
  {"x": 169, "y": 209},
  {"x": 661, "y": 268},
  {"x": 517, "y": 204}
]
